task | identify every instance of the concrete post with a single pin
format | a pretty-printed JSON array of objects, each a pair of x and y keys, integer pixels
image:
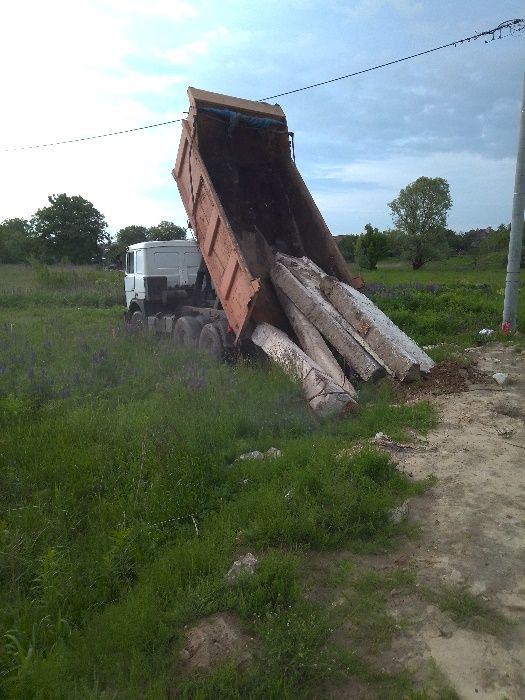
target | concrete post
[{"x": 516, "y": 229}]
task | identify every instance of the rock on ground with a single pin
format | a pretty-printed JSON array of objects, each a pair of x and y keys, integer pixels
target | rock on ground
[
  {"x": 245, "y": 566},
  {"x": 397, "y": 515},
  {"x": 501, "y": 378},
  {"x": 271, "y": 453}
]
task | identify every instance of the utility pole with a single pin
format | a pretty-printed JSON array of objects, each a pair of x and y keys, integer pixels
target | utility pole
[{"x": 516, "y": 230}]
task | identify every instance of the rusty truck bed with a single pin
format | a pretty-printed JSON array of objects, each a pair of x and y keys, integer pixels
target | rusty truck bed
[{"x": 246, "y": 200}]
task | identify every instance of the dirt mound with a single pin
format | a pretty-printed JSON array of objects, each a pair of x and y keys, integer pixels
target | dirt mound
[
  {"x": 447, "y": 377},
  {"x": 216, "y": 639}
]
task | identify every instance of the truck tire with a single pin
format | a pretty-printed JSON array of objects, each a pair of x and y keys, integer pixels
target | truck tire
[
  {"x": 137, "y": 322},
  {"x": 186, "y": 331},
  {"x": 210, "y": 341}
]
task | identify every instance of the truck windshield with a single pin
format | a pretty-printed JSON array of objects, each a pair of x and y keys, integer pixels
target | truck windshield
[{"x": 130, "y": 260}]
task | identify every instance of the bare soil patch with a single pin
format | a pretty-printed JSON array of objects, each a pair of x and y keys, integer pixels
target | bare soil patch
[
  {"x": 447, "y": 377},
  {"x": 473, "y": 533},
  {"x": 214, "y": 640}
]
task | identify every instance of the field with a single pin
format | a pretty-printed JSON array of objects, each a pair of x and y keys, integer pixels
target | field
[
  {"x": 445, "y": 303},
  {"x": 123, "y": 502}
]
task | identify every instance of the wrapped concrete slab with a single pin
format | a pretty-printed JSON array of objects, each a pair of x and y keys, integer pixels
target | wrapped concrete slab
[
  {"x": 331, "y": 324},
  {"x": 311, "y": 276},
  {"x": 394, "y": 346},
  {"x": 313, "y": 343},
  {"x": 303, "y": 268},
  {"x": 324, "y": 396},
  {"x": 401, "y": 344}
]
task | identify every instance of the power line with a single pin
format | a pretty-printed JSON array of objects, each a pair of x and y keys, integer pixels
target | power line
[
  {"x": 89, "y": 138},
  {"x": 512, "y": 26}
]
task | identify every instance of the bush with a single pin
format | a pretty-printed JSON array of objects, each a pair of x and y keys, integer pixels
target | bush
[{"x": 370, "y": 247}]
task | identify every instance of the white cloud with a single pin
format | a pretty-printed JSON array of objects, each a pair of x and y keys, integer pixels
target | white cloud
[
  {"x": 177, "y": 10},
  {"x": 53, "y": 85},
  {"x": 481, "y": 188},
  {"x": 72, "y": 79},
  {"x": 128, "y": 178},
  {"x": 186, "y": 54},
  {"x": 73, "y": 69}
]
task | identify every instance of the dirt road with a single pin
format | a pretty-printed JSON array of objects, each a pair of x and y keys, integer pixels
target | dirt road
[{"x": 473, "y": 535}]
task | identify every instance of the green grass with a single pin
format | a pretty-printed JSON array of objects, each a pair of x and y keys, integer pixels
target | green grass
[
  {"x": 365, "y": 594},
  {"x": 460, "y": 269},
  {"x": 28, "y": 287},
  {"x": 469, "y": 610},
  {"x": 123, "y": 504},
  {"x": 445, "y": 303}
]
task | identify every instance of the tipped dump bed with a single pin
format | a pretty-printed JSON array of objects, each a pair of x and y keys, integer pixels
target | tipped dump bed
[{"x": 246, "y": 200}]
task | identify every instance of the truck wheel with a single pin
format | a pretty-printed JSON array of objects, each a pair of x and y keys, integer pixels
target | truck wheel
[
  {"x": 186, "y": 331},
  {"x": 211, "y": 342},
  {"x": 137, "y": 322}
]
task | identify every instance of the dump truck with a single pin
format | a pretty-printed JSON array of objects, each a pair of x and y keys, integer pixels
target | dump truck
[
  {"x": 245, "y": 201},
  {"x": 263, "y": 268}
]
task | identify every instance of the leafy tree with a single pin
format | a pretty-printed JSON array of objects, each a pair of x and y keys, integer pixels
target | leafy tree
[
  {"x": 166, "y": 231},
  {"x": 454, "y": 241},
  {"x": 370, "y": 247},
  {"x": 347, "y": 246},
  {"x": 115, "y": 251},
  {"x": 130, "y": 235},
  {"x": 70, "y": 228},
  {"x": 393, "y": 242},
  {"x": 420, "y": 213},
  {"x": 496, "y": 240},
  {"x": 472, "y": 239},
  {"x": 16, "y": 243},
  {"x": 113, "y": 254}
]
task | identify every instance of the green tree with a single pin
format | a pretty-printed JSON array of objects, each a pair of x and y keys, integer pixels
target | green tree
[
  {"x": 472, "y": 239},
  {"x": 16, "y": 242},
  {"x": 454, "y": 241},
  {"x": 420, "y": 213},
  {"x": 496, "y": 240},
  {"x": 394, "y": 243},
  {"x": 113, "y": 254},
  {"x": 495, "y": 246},
  {"x": 347, "y": 246},
  {"x": 166, "y": 231},
  {"x": 371, "y": 246},
  {"x": 130, "y": 235},
  {"x": 115, "y": 251},
  {"x": 70, "y": 228}
]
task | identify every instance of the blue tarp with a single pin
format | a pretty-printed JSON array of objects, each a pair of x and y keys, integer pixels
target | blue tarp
[{"x": 233, "y": 118}]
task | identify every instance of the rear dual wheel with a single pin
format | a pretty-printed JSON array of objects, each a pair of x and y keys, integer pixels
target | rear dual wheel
[
  {"x": 137, "y": 322},
  {"x": 190, "y": 333},
  {"x": 186, "y": 332},
  {"x": 210, "y": 340}
]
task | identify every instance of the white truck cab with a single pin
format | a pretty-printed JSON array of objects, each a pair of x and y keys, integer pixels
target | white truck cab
[
  {"x": 169, "y": 290},
  {"x": 153, "y": 268}
]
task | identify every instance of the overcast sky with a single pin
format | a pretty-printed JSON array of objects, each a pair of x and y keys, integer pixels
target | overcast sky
[{"x": 73, "y": 69}]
